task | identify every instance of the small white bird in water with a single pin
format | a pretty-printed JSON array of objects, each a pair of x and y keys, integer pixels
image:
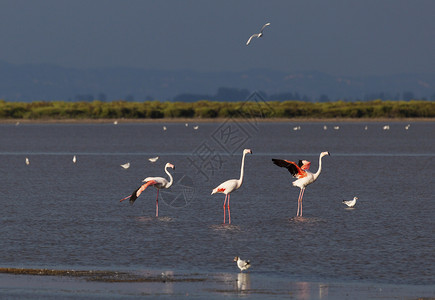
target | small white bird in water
[
  {"x": 27, "y": 161},
  {"x": 195, "y": 127},
  {"x": 74, "y": 159},
  {"x": 257, "y": 35},
  {"x": 153, "y": 159},
  {"x": 242, "y": 264},
  {"x": 350, "y": 203},
  {"x": 126, "y": 165},
  {"x": 164, "y": 128},
  {"x": 407, "y": 126}
]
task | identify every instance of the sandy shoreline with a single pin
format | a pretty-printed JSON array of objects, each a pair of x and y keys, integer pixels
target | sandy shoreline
[
  {"x": 26, "y": 283},
  {"x": 214, "y": 120}
]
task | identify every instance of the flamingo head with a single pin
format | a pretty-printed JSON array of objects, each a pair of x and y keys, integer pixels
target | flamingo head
[
  {"x": 236, "y": 258},
  {"x": 324, "y": 154},
  {"x": 247, "y": 151},
  {"x": 169, "y": 165},
  {"x": 305, "y": 165}
]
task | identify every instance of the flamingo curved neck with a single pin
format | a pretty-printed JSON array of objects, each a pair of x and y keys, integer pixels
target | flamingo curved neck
[
  {"x": 242, "y": 168},
  {"x": 171, "y": 180},
  {"x": 320, "y": 168}
]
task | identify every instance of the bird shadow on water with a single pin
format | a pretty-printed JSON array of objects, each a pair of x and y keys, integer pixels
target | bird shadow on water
[
  {"x": 148, "y": 219},
  {"x": 305, "y": 220},
  {"x": 225, "y": 227}
]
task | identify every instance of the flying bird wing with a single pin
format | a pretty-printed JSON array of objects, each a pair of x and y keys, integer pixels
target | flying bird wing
[
  {"x": 251, "y": 37},
  {"x": 292, "y": 167},
  {"x": 264, "y": 26},
  {"x": 139, "y": 191},
  {"x": 304, "y": 164}
]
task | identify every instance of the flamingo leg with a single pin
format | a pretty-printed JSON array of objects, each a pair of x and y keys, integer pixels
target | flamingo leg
[
  {"x": 225, "y": 201},
  {"x": 125, "y": 198},
  {"x": 157, "y": 203},
  {"x": 303, "y": 190},
  {"x": 299, "y": 203},
  {"x": 229, "y": 214}
]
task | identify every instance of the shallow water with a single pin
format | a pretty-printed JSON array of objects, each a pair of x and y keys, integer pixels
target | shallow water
[{"x": 58, "y": 214}]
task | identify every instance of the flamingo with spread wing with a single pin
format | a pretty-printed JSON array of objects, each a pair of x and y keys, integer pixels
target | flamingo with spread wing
[{"x": 157, "y": 182}]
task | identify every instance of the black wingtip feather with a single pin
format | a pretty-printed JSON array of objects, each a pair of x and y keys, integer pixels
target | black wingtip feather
[{"x": 133, "y": 196}]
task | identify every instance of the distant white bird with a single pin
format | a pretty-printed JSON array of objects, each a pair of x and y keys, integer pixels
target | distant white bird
[
  {"x": 74, "y": 159},
  {"x": 126, "y": 165},
  {"x": 386, "y": 127},
  {"x": 257, "y": 35},
  {"x": 407, "y": 126},
  {"x": 325, "y": 127},
  {"x": 350, "y": 203},
  {"x": 27, "y": 161},
  {"x": 115, "y": 122},
  {"x": 187, "y": 124},
  {"x": 365, "y": 128},
  {"x": 153, "y": 159},
  {"x": 164, "y": 128},
  {"x": 195, "y": 127},
  {"x": 297, "y": 128},
  {"x": 242, "y": 264},
  {"x": 336, "y": 127}
]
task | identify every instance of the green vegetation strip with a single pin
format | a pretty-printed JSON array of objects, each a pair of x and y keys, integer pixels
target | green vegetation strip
[
  {"x": 103, "y": 276},
  {"x": 58, "y": 110}
]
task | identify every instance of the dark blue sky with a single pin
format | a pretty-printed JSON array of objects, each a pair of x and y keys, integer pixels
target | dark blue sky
[{"x": 340, "y": 37}]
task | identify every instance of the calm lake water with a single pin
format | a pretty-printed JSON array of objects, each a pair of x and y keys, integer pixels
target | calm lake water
[{"x": 61, "y": 215}]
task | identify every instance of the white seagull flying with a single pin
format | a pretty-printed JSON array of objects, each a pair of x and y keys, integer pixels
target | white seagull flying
[{"x": 257, "y": 35}]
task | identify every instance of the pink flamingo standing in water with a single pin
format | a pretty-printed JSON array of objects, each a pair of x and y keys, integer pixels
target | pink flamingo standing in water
[
  {"x": 157, "y": 182},
  {"x": 301, "y": 172},
  {"x": 231, "y": 185}
]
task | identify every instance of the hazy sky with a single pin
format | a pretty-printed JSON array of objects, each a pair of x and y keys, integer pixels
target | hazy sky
[{"x": 340, "y": 37}]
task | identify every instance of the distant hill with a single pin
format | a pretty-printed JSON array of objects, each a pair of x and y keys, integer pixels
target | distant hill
[{"x": 49, "y": 82}]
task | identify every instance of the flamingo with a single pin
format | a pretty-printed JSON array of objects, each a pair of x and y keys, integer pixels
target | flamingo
[
  {"x": 231, "y": 185},
  {"x": 242, "y": 264},
  {"x": 301, "y": 172},
  {"x": 157, "y": 182},
  {"x": 257, "y": 35}
]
